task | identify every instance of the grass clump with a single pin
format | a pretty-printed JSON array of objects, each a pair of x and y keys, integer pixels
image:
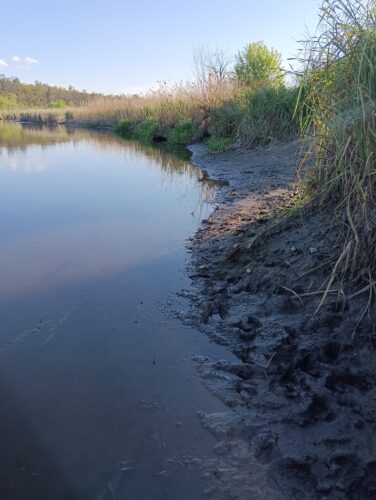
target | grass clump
[
  {"x": 225, "y": 119},
  {"x": 218, "y": 144},
  {"x": 184, "y": 133},
  {"x": 125, "y": 129},
  {"x": 258, "y": 116},
  {"x": 339, "y": 104},
  {"x": 269, "y": 116},
  {"x": 147, "y": 130}
]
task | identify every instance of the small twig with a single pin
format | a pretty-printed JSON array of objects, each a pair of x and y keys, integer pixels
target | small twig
[
  {"x": 319, "y": 292},
  {"x": 270, "y": 360},
  {"x": 362, "y": 290},
  {"x": 293, "y": 292},
  {"x": 308, "y": 294},
  {"x": 314, "y": 269},
  {"x": 344, "y": 253},
  {"x": 366, "y": 310}
]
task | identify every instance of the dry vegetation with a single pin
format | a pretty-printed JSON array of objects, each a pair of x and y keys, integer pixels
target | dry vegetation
[
  {"x": 253, "y": 110},
  {"x": 339, "y": 87}
]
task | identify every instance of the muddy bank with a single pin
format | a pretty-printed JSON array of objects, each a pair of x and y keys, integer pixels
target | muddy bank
[{"x": 302, "y": 398}]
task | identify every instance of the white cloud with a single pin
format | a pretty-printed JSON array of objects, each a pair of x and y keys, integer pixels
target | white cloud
[
  {"x": 20, "y": 62},
  {"x": 30, "y": 60}
]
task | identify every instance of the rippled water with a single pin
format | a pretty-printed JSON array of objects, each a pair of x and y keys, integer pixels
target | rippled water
[{"x": 98, "y": 389}]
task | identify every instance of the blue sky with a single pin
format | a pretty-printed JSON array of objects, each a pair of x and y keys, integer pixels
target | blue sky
[{"x": 119, "y": 46}]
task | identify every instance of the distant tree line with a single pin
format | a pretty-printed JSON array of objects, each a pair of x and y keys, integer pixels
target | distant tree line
[{"x": 14, "y": 94}]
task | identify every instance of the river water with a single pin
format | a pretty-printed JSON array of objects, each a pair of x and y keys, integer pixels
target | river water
[{"x": 98, "y": 389}]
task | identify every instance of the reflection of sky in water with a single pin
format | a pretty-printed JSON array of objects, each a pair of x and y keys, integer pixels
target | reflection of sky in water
[
  {"x": 17, "y": 163},
  {"x": 93, "y": 373},
  {"x": 90, "y": 203}
]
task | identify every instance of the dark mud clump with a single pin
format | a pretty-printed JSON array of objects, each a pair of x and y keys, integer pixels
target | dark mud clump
[{"x": 302, "y": 397}]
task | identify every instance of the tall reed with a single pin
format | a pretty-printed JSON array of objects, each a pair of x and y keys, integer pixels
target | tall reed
[{"x": 339, "y": 112}]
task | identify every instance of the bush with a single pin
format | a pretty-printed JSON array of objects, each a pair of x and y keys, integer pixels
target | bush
[
  {"x": 270, "y": 116},
  {"x": 8, "y": 101},
  {"x": 225, "y": 119},
  {"x": 146, "y": 130},
  {"x": 57, "y": 104},
  {"x": 125, "y": 129},
  {"x": 184, "y": 133}
]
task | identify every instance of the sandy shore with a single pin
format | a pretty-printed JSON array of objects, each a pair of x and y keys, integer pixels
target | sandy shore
[{"x": 302, "y": 398}]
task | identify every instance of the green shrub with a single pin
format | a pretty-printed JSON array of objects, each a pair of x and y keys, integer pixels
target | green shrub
[
  {"x": 270, "y": 116},
  {"x": 8, "y": 101},
  {"x": 146, "y": 130},
  {"x": 125, "y": 129},
  {"x": 57, "y": 104},
  {"x": 257, "y": 117},
  {"x": 184, "y": 133},
  {"x": 225, "y": 119}
]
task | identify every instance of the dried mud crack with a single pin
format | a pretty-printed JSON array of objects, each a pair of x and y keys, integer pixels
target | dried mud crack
[{"x": 302, "y": 397}]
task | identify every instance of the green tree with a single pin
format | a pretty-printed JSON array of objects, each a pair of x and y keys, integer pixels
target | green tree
[
  {"x": 8, "y": 101},
  {"x": 13, "y": 94},
  {"x": 257, "y": 65},
  {"x": 57, "y": 104}
]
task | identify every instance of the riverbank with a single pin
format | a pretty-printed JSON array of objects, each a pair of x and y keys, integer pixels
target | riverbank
[
  {"x": 301, "y": 399},
  {"x": 221, "y": 112}
]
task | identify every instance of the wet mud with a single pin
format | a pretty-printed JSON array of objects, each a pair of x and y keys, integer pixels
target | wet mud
[{"x": 301, "y": 397}]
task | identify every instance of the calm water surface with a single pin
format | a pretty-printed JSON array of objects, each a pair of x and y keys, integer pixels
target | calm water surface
[{"x": 98, "y": 390}]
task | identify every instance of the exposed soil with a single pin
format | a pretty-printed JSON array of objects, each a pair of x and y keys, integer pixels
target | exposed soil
[{"x": 302, "y": 397}]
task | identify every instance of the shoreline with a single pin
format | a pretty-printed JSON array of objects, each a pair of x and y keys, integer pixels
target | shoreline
[{"x": 301, "y": 399}]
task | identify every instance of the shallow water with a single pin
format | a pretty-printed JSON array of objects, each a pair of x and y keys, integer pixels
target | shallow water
[{"x": 98, "y": 390}]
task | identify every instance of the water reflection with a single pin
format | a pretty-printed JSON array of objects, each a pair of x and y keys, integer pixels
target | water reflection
[
  {"x": 94, "y": 374},
  {"x": 16, "y": 138},
  {"x": 78, "y": 202}
]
